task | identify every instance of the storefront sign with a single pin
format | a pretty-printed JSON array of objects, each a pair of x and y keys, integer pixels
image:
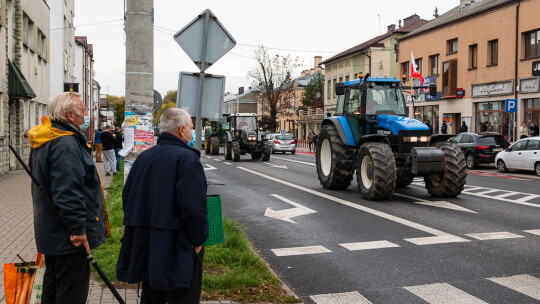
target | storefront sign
[
  {"x": 529, "y": 85},
  {"x": 493, "y": 89},
  {"x": 536, "y": 68}
]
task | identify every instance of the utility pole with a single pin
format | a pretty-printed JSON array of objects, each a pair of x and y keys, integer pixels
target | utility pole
[{"x": 139, "y": 27}]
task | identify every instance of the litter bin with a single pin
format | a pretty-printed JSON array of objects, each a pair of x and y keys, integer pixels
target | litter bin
[{"x": 216, "y": 235}]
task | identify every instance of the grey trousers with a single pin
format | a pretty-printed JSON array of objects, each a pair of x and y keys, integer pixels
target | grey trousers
[{"x": 109, "y": 160}]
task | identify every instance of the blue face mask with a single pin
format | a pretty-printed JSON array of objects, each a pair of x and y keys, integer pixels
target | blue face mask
[
  {"x": 191, "y": 143},
  {"x": 85, "y": 124}
]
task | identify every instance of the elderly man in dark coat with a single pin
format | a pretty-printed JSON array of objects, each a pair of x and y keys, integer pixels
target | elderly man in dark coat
[{"x": 165, "y": 217}]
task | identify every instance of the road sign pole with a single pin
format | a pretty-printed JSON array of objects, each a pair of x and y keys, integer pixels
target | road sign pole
[{"x": 198, "y": 120}]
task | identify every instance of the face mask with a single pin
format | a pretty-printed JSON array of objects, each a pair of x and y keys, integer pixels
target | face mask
[
  {"x": 86, "y": 123},
  {"x": 191, "y": 143}
]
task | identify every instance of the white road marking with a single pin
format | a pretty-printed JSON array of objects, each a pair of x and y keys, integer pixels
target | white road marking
[
  {"x": 300, "y": 250},
  {"x": 440, "y": 204},
  {"x": 285, "y": 215},
  {"x": 340, "y": 298},
  {"x": 209, "y": 167},
  {"x": 368, "y": 245},
  {"x": 276, "y": 166},
  {"x": 217, "y": 159},
  {"x": 432, "y": 240},
  {"x": 494, "y": 236},
  {"x": 295, "y": 161},
  {"x": 353, "y": 205},
  {"x": 227, "y": 163},
  {"x": 537, "y": 231},
  {"x": 525, "y": 284},
  {"x": 443, "y": 293}
]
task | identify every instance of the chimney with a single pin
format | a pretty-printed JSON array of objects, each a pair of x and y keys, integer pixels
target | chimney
[
  {"x": 240, "y": 90},
  {"x": 391, "y": 28},
  {"x": 464, "y": 3},
  {"x": 412, "y": 19},
  {"x": 318, "y": 60}
]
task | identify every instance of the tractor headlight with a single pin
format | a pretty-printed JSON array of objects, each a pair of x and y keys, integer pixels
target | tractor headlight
[
  {"x": 252, "y": 138},
  {"x": 412, "y": 139},
  {"x": 424, "y": 138}
]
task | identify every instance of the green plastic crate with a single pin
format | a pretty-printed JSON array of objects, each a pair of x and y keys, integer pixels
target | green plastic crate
[{"x": 216, "y": 235}]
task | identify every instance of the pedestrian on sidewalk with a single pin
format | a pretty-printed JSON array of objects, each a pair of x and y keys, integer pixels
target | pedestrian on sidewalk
[
  {"x": 464, "y": 128},
  {"x": 310, "y": 140},
  {"x": 98, "y": 146},
  {"x": 534, "y": 129},
  {"x": 118, "y": 144},
  {"x": 165, "y": 223},
  {"x": 315, "y": 136},
  {"x": 107, "y": 138},
  {"x": 61, "y": 161},
  {"x": 523, "y": 131}
]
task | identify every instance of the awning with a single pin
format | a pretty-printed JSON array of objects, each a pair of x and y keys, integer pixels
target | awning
[{"x": 18, "y": 86}]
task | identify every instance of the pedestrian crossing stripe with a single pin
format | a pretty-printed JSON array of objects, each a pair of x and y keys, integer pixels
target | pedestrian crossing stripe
[{"x": 443, "y": 293}]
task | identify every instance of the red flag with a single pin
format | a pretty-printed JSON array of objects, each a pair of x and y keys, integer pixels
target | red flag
[{"x": 415, "y": 73}]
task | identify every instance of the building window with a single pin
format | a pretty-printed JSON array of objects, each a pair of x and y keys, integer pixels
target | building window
[
  {"x": 434, "y": 64},
  {"x": 347, "y": 78},
  {"x": 333, "y": 87},
  {"x": 42, "y": 45},
  {"x": 532, "y": 44},
  {"x": 491, "y": 117},
  {"x": 493, "y": 52},
  {"x": 405, "y": 68},
  {"x": 340, "y": 79},
  {"x": 473, "y": 56},
  {"x": 449, "y": 78},
  {"x": 428, "y": 113},
  {"x": 418, "y": 62},
  {"x": 28, "y": 32},
  {"x": 329, "y": 89},
  {"x": 532, "y": 111},
  {"x": 451, "y": 46}
]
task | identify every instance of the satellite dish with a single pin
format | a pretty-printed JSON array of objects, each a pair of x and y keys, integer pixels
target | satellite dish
[{"x": 158, "y": 101}]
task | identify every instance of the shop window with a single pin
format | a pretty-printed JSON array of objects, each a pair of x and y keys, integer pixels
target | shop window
[
  {"x": 405, "y": 68},
  {"x": 532, "y": 111},
  {"x": 449, "y": 78},
  {"x": 491, "y": 117},
  {"x": 434, "y": 65},
  {"x": 493, "y": 52},
  {"x": 452, "y": 46},
  {"x": 473, "y": 56},
  {"x": 428, "y": 114},
  {"x": 532, "y": 44}
]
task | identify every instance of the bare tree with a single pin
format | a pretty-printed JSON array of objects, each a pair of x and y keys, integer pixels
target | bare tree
[{"x": 272, "y": 79}]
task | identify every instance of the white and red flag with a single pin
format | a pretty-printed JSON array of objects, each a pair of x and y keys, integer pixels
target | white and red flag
[{"x": 414, "y": 67}]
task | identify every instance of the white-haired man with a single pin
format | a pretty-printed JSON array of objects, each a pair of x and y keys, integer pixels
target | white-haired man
[
  {"x": 61, "y": 161},
  {"x": 165, "y": 217}
]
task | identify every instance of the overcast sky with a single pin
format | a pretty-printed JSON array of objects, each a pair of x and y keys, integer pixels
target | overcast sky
[{"x": 301, "y": 28}]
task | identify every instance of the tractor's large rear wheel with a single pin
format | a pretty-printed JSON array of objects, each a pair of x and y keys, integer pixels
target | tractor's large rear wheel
[
  {"x": 228, "y": 151},
  {"x": 452, "y": 180},
  {"x": 376, "y": 171},
  {"x": 256, "y": 155},
  {"x": 235, "y": 151},
  {"x": 214, "y": 145},
  {"x": 335, "y": 160}
]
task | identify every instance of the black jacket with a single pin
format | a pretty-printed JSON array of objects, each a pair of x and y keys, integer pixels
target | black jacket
[
  {"x": 118, "y": 140},
  {"x": 107, "y": 139},
  {"x": 165, "y": 215},
  {"x": 63, "y": 166}
]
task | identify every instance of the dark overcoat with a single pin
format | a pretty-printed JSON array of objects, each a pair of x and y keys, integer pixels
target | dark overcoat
[{"x": 165, "y": 215}]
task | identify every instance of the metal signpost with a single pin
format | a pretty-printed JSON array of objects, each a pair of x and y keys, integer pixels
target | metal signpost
[
  {"x": 187, "y": 96},
  {"x": 204, "y": 40}
]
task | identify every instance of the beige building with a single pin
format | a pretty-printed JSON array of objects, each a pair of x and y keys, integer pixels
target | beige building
[
  {"x": 376, "y": 56},
  {"x": 24, "y": 74},
  {"x": 480, "y": 53}
]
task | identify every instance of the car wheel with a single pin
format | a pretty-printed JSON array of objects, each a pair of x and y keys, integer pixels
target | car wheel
[
  {"x": 293, "y": 152},
  {"x": 537, "y": 168},
  {"x": 501, "y": 166},
  {"x": 273, "y": 151},
  {"x": 471, "y": 162}
]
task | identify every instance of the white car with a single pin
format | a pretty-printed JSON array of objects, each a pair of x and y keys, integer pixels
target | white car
[{"x": 524, "y": 154}]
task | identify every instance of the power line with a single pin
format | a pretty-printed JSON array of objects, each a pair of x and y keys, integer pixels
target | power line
[{"x": 90, "y": 24}]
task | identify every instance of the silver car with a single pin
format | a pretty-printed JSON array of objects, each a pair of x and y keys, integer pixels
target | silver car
[{"x": 282, "y": 142}]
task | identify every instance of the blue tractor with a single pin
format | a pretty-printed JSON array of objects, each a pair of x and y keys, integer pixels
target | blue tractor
[{"x": 372, "y": 135}]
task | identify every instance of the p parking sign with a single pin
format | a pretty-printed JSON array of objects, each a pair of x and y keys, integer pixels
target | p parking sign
[{"x": 511, "y": 105}]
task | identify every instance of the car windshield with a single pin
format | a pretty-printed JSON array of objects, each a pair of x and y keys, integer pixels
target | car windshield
[
  {"x": 284, "y": 137},
  {"x": 246, "y": 123},
  {"x": 492, "y": 140}
]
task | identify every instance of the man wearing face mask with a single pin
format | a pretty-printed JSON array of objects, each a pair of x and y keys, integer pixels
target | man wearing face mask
[
  {"x": 165, "y": 222},
  {"x": 61, "y": 161}
]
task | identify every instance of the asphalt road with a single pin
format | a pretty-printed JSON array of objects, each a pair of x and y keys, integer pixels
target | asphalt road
[{"x": 335, "y": 247}]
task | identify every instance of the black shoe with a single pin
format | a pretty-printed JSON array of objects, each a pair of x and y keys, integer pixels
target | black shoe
[
  {"x": 114, "y": 173},
  {"x": 108, "y": 174}
]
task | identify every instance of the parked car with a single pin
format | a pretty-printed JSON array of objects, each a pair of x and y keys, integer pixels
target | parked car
[
  {"x": 524, "y": 154},
  {"x": 282, "y": 142},
  {"x": 480, "y": 148}
]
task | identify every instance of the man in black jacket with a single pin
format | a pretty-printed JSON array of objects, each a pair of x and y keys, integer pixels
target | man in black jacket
[
  {"x": 107, "y": 140},
  {"x": 118, "y": 141},
  {"x": 61, "y": 161},
  {"x": 165, "y": 222}
]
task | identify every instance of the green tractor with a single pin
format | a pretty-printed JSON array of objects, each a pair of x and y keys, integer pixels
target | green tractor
[
  {"x": 214, "y": 135},
  {"x": 244, "y": 137}
]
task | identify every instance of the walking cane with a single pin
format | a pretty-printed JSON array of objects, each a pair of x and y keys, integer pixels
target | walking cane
[{"x": 89, "y": 257}]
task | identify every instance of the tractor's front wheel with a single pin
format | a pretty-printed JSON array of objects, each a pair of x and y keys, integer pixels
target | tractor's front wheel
[
  {"x": 214, "y": 145},
  {"x": 403, "y": 178},
  {"x": 235, "y": 151},
  {"x": 228, "y": 151},
  {"x": 335, "y": 160},
  {"x": 266, "y": 152},
  {"x": 256, "y": 155},
  {"x": 207, "y": 143},
  {"x": 376, "y": 171},
  {"x": 452, "y": 180}
]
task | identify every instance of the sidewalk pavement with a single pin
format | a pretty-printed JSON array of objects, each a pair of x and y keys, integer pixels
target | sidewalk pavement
[{"x": 17, "y": 234}]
